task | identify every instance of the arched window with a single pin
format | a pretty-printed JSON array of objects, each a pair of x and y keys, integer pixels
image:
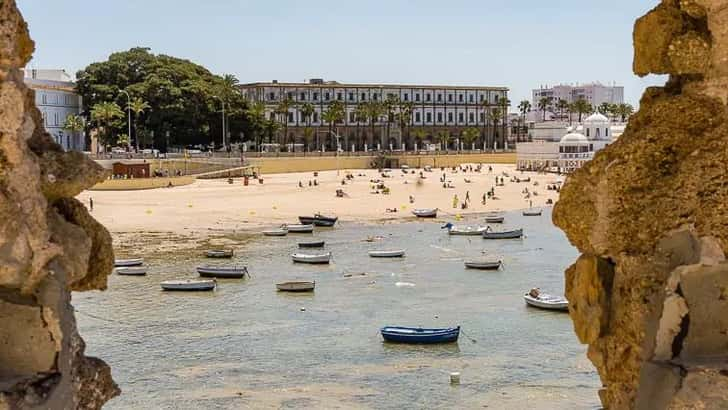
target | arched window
[
  {"x": 597, "y": 133},
  {"x": 587, "y": 132},
  {"x": 606, "y": 132}
]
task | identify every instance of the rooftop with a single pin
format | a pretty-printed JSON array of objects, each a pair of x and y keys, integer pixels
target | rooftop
[{"x": 318, "y": 83}]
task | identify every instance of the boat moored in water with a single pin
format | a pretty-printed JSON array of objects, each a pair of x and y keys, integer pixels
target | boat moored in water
[
  {"x": 532, "y": 212},
  {"x": 494, "y": 218},
  {"x": 514, "y": 234},
  {"x": 276, "y": 232},
  {"x": 318, "y": 220},
  {"x": 219, "y": 253},
  {"x": 189, "y": 285},
  {"x": 541, "y": 300},
  {"x": 128, "y": 262},
  {"x": 314, "y": 244},
  {"x": 483, "y": 265},
  {"x": 300, "y": 228},
  {"x": 300, "y": 286},
  {"x": 425, "y": 213},
  {"x": 464, "y": 230},
  {"x": 131, "y": 271},
  {"x": 311, "y": 258},
  {"x": 418, "y": 335},
  {"x": 398, "y": 253},
  {"x": 227, "y": 272}
]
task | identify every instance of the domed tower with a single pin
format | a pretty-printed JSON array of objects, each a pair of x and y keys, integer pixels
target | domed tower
[{"x": 597, "y": 128}]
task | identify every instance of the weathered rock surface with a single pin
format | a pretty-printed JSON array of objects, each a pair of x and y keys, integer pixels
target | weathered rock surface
[
  {"x": 49, "y": 245},
  {"x": 650, "y": 215}
]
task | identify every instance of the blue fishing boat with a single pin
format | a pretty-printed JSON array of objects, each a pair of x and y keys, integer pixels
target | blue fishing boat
[{"x": 418, "y": 335}]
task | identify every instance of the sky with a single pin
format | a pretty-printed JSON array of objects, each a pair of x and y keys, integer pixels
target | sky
[{"x": 521, "y": 44}]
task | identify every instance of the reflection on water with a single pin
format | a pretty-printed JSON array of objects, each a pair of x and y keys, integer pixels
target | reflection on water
[{"x": 248, "y": 346}]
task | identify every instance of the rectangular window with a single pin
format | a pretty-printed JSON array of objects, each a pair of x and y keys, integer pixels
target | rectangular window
[
  {"x": 352, "y": 118},
  {"x": 429, "y": 117},
  {"x": 428, "y": 97},
  {"x": 471, "y": 98},
  {"x": 315, "y": 117},
  {"x": 461, "y": 117},
  {"x": 460, "y": 98},
  {"x": 439, "y": 97},
  {"x": 482, "y": 117},
  {"x": 449, "y": 117},
  {"x": 417, "y": 117},
  {"x": 406, "y": 97},
  {"x": 481, "y": 97},
  {"x": 471, "y": 117},
  {"x": 351, "y": 96},
  {"x": 363, "y": 97},
  {"x": 449, "y": 98},
  {"x": 339, "y": 96},
  {"x": 374, "y": 97},
  {"x": 327, "y": 96},
  {"x": 44, "y": 98},
  {"x": 290, "y": 117},
  {"x": 290, "y": 96},
  {"x": 390, "y": 95},
  {"x": 439, "y": 117},
  {"x": 417, "y": 97}
]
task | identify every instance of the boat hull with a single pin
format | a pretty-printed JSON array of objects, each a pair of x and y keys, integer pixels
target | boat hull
[
  {"x": 562, "y": 305},
  {"x": 318, "y": 220},
  {"x": 128, "y": 262},
  {"x": 277, "y": 232},
  {"x": 503, "y": 235},
  {"x": 300, "y": 228},
  {"x": 425, "y": 213},
  {"x": 296, "y": 286},
  {"x": 386, "y": 254},
  {"x": 408, "y": 335},
  {"x": 494, "y": 220},
  {"x": 222, "y": 254},
  {"x": 483, "y": 265},
  {"x": 527, "y": 213},
  {"x": 466, "y": 232},
  {"x": 131, "y": 271},
  {"x": 188, "y": 286},
  {"x": 313, "y": 259},
  {"x": 317, "y": 244},
  {"x": 229, "y": 273}
]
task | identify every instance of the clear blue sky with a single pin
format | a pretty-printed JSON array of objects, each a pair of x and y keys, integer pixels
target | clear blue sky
[{"x": 517, "y": 43}]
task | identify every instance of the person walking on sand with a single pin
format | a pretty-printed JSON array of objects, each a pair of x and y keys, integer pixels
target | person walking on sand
[
  {"x": 484, "y": 198},
  {"x": 455, "y": 201},
  {"x": 91, "y": 204},
  {"x": 467, "y": 196}
]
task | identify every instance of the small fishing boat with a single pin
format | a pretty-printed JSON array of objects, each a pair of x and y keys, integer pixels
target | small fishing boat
[
  {"x": 464, "y": 230},
  {"x": 132, "y": 271},
  {"x": 311, "y": 258},
  {"x": 314, "y": 244},
  {"x": 483, "y": 265},
  {"x": 544, "y": 301},
  {"x": 189, "y": 285},
  {"x": 425, "y": 213},
  {"x": 532, "y": 213},
  {"x": 302, "y": 286},
  {"x": 129, "y": 262},
  {"x": 300, "y": 228},
  {"x": 515, "y": 234},
  {"x": 318, "y": 220},
  {"x": 494, "y": 219},
  {"x": 387, "y": 253},
  {"x": 276, "y": 232},
  {"x": 418, "y": 335},
  {"x": 227, "y": 272},
  {"x": 219, "y": 253}
]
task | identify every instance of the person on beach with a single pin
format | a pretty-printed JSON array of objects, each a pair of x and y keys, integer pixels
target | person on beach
[
  {"x": 467, "y": 196},
  {"x": 91, "y": 204},
  {"x": 411, "y": 199},
  {"x": 484, "y": 198},
  {"x": 455, "y": 201}
]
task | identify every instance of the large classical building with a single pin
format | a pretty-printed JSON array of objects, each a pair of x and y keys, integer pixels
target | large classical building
[
  {"x": 434, "y": 109},
  {"x": 594, "y": 93},
  {"x": 56, "y": 98}
]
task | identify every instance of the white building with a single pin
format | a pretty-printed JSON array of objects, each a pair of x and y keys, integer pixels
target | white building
[
  {"x": 434, "y": 109},
  {"x": 56, "y": 98},
  {"x": 575, "y": 146},
  {"x": 594, "y": 93}
]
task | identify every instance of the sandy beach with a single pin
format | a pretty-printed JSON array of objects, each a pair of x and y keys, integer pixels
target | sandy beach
[{"x": 209, "y": 206}]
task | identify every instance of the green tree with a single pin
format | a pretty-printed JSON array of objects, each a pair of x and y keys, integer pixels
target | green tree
[
  {"x": 495, "y": 116},
  {"x": 104, "y": 115},
  {"x": 581, "y": 107},
  {"x": 333, "y": 115},
  {"x": 404, "y": 117},
  {"x": 504, "y": 104},
  {"x": 420, "y": 135},
  {"x": 390, "y": 106},
  {"x": 283, "y": 110},
  {"x": 485, "y": 104},
  {"x": 444, "y": 138},
  {"x": 605, "y": 108},
  {"x": 562, "y": 106},
  {"x": 360, "y": 116},
  {"x": 308, "y": 135},
  {"x": 122, "y": 140},
  {"x": 137, "y": 106},
  {"x": 524, "y": 107},
  {"x": 271, "y": 128},
  {"x": 470, "y": 135},
  {"x": 74, "y": 124},
  {"x": 544, "y": 104},
  {"x": 374, "y": 112},
  {"x": 624, "y": 111}
]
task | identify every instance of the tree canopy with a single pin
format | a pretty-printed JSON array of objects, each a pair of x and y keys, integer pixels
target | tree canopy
[{"x": 183, "y": 97}]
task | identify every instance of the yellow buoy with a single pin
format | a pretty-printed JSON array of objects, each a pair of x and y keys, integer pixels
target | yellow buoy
[
  {"x": 252, "y": 212},
  {"x": 149, "y": 211}
]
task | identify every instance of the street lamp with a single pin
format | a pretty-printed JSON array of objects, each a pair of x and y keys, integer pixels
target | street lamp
[
  {"x": 223, "y": 124},
  {"x": 128, "y": 109}
]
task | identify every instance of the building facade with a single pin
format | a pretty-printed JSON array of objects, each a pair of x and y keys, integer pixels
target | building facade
[
  {"x": 56, "y": 98},
  {"x": 434, "y": 109},
  {"x": 594, "y": 93}
]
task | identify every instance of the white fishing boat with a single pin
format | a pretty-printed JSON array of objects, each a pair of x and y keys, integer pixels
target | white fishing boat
[
  {"x": 299, "y": 228},
  {"x": 425, "y": 213},
  {"x": 514, "y": 234},
  {"x": 132, "y": 271},
  {"x": 398, "y": 253},
  {"x": 464, "y": 230},
  {"x": 219, "y": 253},
  {"x": 129, "y": 262},
  {"x": 311, "y": 258},
  {"x": 494, "y": 218},
  {"x": 276, "y": 232},
  {"x": 532, "y": 212},
  {"x": 541, "y": 300},
  {"x": 189, "y": 285},
  {"x": 227, "y": 272},
  {"x": 302, "y": 286},
  {"x": 483, "y": 265}
]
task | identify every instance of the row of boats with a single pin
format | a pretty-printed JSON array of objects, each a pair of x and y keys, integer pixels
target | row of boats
[
  {"x": 432, "y": 213},
  {"x": 306, "y": 225}
]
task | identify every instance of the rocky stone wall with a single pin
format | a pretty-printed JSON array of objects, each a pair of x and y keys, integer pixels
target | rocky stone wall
[
  {"x": 649, "y": 294},
  {"x": 49, "y": 246}
]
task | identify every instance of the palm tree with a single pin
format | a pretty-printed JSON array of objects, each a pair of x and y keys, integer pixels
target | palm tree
[
  {"x": 333, "y": 115},
  {"x": 137, "y": 106},
  {"x": 404, "y": 116},
  {"x": 562, "y": 105},
  {"x": 271, "y": 127},
  {"x": 444, "y": 138},
  {"x": 256, "y": 117},
  {"x": 485, "y": 104},
  {"x": 374, "y": 112},
  {"x": 420, "y": 135},
  {"x": 524, "y": 107},
  {"x": 307, "y": 109},
  {"x": 390, "y": 106},
  {"x": 624, "y": 111},
  {"x": 104, "y": 114},
  {"x": 504, "y": 104},
  {"x": 581, "y": 107},
  {"x": 544, "y": 103},
  {"x": 495, "y": 115},
  {"x": 283, "y": 110},
  {"x": 605, "y": 108},
  {"x": 74, "y": 124},
  {"x": 308, "y": 134},
  {"x": 360, "y": 115},
  {"x": 469, "y": 136}
]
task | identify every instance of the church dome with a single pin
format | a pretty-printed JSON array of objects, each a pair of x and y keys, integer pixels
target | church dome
[
  {"x": 574, "y": 137},
  {"x": 596, "y": 118}
]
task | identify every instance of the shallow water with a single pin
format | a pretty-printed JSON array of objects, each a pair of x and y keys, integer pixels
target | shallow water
[{"x": 248, "y": 346}]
